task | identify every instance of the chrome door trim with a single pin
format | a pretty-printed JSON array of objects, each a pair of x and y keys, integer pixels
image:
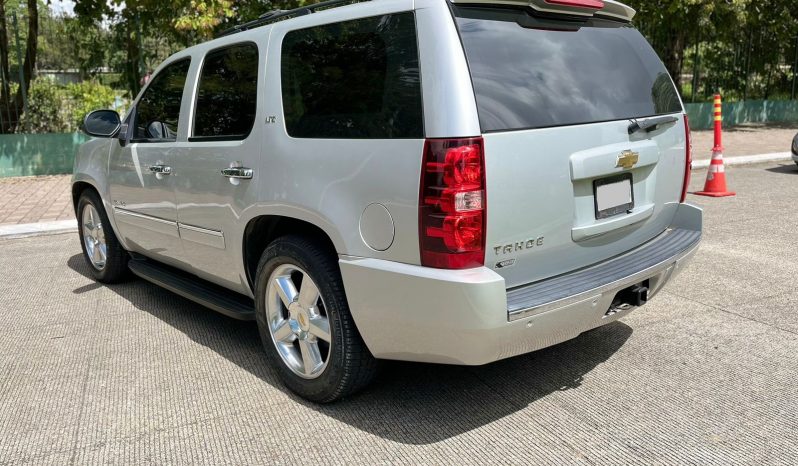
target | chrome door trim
[
  {"x": 201, "y": 230},
  {"x": 212, "y": 238},
  {"x": 119, "y": 210},
  {"x": 145, "y": 222}
]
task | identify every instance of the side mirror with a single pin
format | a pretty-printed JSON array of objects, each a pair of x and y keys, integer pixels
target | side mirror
[{"x": 102, "y": 123}]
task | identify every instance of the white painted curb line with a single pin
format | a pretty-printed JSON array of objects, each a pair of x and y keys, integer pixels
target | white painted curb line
[
  {"x": 747, "y": 159},
  {"x": 37, "y": 229}
]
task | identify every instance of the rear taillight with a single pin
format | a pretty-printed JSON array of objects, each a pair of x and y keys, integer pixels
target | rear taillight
[
  {"x": 688, "y": 159},
  {"x": 452, "y": 204}
]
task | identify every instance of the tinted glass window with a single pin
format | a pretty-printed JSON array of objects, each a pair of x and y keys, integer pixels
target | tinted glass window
[
  {"x": 227, "y": 93},
  {"x": 531, "y": 73},
  {"x": 158, "y": 110},
  {"x": 356, "y": 79}
]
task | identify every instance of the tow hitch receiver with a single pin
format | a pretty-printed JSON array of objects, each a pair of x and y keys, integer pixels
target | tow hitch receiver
[{"x": 634, "y": 296}]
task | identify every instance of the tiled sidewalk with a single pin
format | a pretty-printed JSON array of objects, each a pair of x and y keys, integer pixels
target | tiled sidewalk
[{"x": 35, "y": 199}]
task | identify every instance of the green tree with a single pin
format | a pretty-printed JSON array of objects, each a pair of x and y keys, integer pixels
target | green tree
[
  {"x": 672, "y": 25},
  {"x": 14, "y": 103},
  {"x": 146, "y": 27},
  {"x": 742, "y": 47},
  {"x": 148, "y": 30}
]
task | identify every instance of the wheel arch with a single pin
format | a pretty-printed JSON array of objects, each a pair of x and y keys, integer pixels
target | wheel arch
[
  {"x": 82, "y": 182},
  {"x": 264, "y": 229},
  {"x": 78, "y": 188}
]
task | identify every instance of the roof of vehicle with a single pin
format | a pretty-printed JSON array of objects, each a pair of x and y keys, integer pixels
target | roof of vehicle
[
  {"x": 585, "y": 8},
  {"x": 281, "y": 15}
]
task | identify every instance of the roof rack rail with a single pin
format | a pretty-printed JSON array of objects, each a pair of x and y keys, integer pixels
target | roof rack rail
[{"x": 280, "y": 15}]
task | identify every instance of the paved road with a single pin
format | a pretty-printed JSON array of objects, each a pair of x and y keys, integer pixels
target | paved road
[{"x": 705, "y": 374}]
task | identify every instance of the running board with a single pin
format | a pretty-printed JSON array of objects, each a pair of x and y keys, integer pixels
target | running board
[{"x": 189, "y": 286}]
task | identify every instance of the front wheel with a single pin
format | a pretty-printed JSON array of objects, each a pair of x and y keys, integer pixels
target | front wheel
[
  {"x": 107, "y": 258},
  {"x": 305, "y": 324}
]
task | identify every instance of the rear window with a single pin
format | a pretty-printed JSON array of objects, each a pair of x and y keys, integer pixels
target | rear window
[
  {"x": 227, "y": 93},
  {"x": 353, "y": 80},
  {"x": 531, "y": 72}
]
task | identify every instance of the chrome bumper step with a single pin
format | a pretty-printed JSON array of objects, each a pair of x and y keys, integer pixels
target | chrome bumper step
[{"x": 650, "y": 259}]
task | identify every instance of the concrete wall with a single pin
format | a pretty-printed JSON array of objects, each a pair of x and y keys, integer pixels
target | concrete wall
[
  {"x": 750, "y": 111},
  {"x": 38, "y": 154}
]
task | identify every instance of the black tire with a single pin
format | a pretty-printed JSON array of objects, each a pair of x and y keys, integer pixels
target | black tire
[
  {"x": 349, "y": 365},
  {"x": 115, "y": 268}
]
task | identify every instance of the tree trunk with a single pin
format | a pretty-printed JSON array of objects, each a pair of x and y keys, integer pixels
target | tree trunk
[
  {"x": 131, "y": 71},
  {"x": 674, "y": 56},
  {"x": 31, "y": 45},
  {"x": 5, "y": 91},
  {"x": 14, "y": 106}
]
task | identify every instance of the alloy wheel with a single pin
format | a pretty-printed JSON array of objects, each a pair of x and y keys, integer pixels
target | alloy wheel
[{"x": 298, "y": 321}]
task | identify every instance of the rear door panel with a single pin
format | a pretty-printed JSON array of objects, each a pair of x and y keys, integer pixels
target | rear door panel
[
  {"x": 541, "y": 208},
  {"x": 556, "y": 97}
]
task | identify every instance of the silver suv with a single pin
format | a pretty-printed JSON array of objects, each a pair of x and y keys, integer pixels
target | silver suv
[{"x": 422, "y": 180}]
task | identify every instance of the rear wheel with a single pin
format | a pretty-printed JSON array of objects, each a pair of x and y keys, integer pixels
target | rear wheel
[
  {"x": 106, "y": 258},
  {"x": 305, "y": 324}
]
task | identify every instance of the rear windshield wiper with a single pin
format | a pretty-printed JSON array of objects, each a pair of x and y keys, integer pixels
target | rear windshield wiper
[{"x": 650, "y": 124}]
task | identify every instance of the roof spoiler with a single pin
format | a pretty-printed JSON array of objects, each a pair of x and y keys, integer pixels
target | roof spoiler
[{"x": 583, "y": 8}]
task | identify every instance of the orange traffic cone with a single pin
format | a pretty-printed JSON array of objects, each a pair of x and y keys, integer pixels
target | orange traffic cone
[
  {"x": 716, "y": 175},
  {"x": 716, "y": 178}
]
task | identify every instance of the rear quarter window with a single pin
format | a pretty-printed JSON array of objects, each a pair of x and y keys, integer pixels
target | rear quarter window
[
  {"x": 353, "y": 80},
  {"x": 227, "y": 94},
  {"x": 530, "y": 72}
]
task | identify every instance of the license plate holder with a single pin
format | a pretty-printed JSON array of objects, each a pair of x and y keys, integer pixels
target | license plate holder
[{"x": 613, "y": 195}]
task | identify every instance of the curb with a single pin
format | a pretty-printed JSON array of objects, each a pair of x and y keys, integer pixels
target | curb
[
  {"x": 747, "y": 159},
  {"x": 38, "y": 229}
]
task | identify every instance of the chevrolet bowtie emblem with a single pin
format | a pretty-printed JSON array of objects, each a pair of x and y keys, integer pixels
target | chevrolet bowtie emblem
[{"x": 627, "y": 159}]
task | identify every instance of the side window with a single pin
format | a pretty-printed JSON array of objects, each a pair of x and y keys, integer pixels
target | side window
[
  {"x": 158, "y": 110},
  {"x": 227, "y": 93},
  {"x": 355, "y": 80}
]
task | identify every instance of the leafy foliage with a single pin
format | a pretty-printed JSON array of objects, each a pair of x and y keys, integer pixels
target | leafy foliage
[
  {"x": 53, "y": 108},
  {"x": 46, "y": 110},
  {"x": 742, "y": 48}
]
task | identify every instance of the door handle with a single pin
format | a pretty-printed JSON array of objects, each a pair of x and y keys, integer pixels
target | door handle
[
  {"x": 161, "y": 169},
  {"x": 238, "y": 173}
]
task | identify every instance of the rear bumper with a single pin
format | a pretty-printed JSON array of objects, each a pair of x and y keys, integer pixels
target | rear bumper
[{"x": 414, "y": 313}]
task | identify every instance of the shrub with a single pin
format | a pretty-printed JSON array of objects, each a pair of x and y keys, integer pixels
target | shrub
[
  {"x": 87, "y": 96},
  {"x": 53, "y": 108},
  {"x": 46, "y": 110}
]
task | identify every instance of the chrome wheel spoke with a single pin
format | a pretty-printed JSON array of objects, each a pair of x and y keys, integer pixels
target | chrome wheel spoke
[
  {"x": 320, "y": 328},
  {"x": 87, "y": 231},
  {"x": 94, "y": 237},
  {"x": 311, "y": 356},
  {"x": 295, "y": 321},
  {"x": 308, "y": 293},
  {"x": 103, "y": 253},
  {"x": 286, "y": 289},
  {"x": 283, "y": 333}
]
